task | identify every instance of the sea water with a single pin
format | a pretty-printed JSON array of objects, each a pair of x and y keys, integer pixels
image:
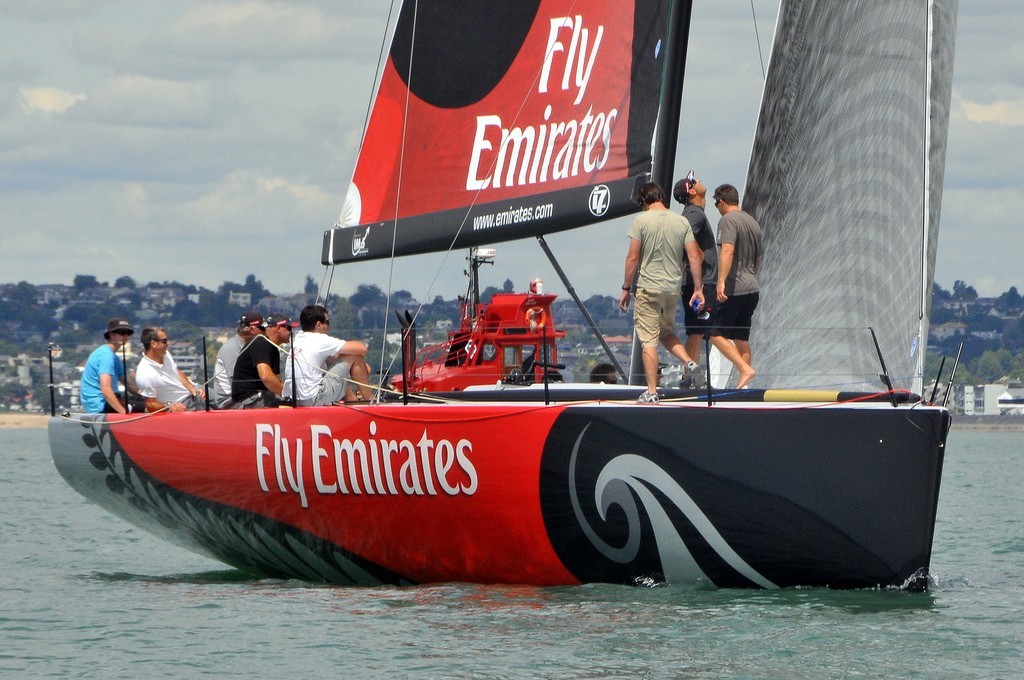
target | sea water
[{"x": 83, "y": 594}]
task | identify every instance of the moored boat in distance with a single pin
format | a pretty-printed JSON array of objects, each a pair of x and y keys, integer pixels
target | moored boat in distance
[{"x": 483, "y": 466}]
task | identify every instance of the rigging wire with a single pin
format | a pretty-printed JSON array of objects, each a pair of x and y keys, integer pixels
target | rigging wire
[
  {"x": 323, "y": 294},
  {"x": 469, "y": 208},
  {"x": 757, "y": 36},
  {"x": 398, "y": 199}
]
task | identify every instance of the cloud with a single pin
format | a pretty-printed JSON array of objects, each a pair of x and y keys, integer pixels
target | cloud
[
  {"x": 261, "y": 31},
  {"x": 278, "y": 199},
  {"x": 17, "y": 70},
  {"x": 45, "y": 100},
  {"x": 1006, "y": 112},
  {"x": 49, "y": 10},
  {"x": 140, "y": 100},
  {"x": 227, "y": 40},
  {"x": 970, "y": 247},
  {"x": 979, "y": 135},
  {"x": 292, "y": 24},
  {"x": 217, "y": 139}
]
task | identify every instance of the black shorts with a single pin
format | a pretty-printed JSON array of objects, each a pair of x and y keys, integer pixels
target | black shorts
[
  {"x": 695, "y": 326},
  {"x": 732, "y": 318},
  {"x": 136, "y": 404}
]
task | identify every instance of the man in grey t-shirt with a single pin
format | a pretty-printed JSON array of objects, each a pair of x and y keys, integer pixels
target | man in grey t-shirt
[
  {"x": 737, "y": 290},
  {"x": 248, "y": 327}
]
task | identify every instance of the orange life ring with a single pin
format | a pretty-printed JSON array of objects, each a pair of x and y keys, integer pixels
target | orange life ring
[{"x": 535, "y": 318}]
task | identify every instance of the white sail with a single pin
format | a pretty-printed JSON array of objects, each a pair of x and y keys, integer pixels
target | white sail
[{"x": 846, "y": 180}]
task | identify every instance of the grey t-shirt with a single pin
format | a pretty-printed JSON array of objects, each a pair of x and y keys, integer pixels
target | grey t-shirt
[
  {"x": 225, "y": 366},
  {"x": 743, "y": 231}
]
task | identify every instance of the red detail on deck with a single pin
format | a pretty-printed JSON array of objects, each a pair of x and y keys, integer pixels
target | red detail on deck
[{"x": 499, "y": 341}]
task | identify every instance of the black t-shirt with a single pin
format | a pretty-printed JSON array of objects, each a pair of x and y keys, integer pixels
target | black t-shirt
[{"x": 245, "y": 381}]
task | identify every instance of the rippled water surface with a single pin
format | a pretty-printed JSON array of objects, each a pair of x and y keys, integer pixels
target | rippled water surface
[{"x": 84, "y": 594}]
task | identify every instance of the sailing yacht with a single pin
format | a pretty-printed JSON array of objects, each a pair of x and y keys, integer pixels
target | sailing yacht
[{"x": 500, "y": 121}]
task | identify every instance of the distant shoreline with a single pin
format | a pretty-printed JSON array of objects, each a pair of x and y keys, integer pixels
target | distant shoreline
[
  {"x": 988, "y": 423},
  {"x": 16, "y": 420}
]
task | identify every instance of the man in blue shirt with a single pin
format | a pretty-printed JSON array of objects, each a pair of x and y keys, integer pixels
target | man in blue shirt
[{"x": 104, "y": 370}]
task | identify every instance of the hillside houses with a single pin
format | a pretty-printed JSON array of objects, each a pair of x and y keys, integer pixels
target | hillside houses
[{"x": 72, "y": 317}]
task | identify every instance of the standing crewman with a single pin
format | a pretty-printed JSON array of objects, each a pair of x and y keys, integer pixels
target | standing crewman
[
  {"x": 692, "y": 193},
  {"x": 737, "y": 291},
  {"x": 658, "y": 241}
]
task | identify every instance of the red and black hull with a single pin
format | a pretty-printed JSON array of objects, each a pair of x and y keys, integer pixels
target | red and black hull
[{"x": 736, "y": 495}]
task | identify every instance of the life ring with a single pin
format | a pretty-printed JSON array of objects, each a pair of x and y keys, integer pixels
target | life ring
[{"x": 535, "y": 318}]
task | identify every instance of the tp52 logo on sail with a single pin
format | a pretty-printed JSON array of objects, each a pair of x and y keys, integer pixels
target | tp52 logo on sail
[{"x": 600, "y": 199}]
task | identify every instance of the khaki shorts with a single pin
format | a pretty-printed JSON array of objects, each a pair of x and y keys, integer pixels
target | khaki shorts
[
  {"x": 333, "y": 386},
  {"x": 654, "y": 315}
]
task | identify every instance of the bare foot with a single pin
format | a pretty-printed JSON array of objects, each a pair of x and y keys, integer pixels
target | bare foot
[{"x": 745, "y": 377}]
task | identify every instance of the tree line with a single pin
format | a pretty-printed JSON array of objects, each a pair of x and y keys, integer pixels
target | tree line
[{"x": 993, "y": 341}]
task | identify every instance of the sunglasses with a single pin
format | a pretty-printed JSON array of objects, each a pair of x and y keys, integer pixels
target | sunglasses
[
  {"x": 690, "y": 181},
  {"x": 162, "y": 341},
  {"x": 121, "y": 332}
]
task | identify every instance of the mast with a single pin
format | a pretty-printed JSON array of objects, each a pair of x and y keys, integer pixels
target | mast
[
  {"x": 667, "y": 134},
  {"x": 917, "y": 381}
]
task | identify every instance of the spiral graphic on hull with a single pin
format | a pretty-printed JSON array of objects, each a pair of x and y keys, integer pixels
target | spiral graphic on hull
[
  {"x": 622, "y": 512},
  {"x": 627, "y": 478}
]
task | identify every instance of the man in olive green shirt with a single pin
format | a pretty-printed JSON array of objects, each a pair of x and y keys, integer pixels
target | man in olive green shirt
[{"x": 658, "y": 240}]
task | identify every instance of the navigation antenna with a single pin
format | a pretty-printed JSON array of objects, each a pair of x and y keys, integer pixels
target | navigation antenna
[{"x": 477, "y": 257}]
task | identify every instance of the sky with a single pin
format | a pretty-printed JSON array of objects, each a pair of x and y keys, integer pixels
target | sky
[{"x": 202, "y": 142}]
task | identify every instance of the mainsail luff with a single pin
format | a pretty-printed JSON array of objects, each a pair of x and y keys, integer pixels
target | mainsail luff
[
  {"x": 941, "y": 50},
  {"x": 836, "y": 179},
  {"x": 550, "y": 136}
]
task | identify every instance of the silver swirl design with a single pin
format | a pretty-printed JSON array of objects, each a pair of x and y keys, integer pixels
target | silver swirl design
[{"x": 628, "y": 477}]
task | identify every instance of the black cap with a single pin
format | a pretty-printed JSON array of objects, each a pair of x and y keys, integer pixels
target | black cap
[
  {"x": 250, "y": 319},
  {"x": 278, "y": 320},
  {"x": 118, "y": 325},
  {"x": 681, "y": 191}
]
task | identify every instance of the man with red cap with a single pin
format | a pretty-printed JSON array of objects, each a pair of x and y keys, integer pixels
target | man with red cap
[{"x": 256, "y": 381}]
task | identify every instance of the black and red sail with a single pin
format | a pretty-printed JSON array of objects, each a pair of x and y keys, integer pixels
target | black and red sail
[{"x": 498, "y": 121}]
